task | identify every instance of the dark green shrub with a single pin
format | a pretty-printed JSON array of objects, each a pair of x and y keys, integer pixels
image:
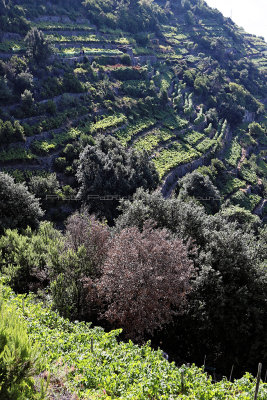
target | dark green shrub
[
  {"x": 51, "y": 107},
  {"x": 37, "y": 47},
  {"x": 60, "y": 163},
  {"x": 72, "y": 84},
  {"x": 27, "y": 101},
  {"x": 44, "y": 186},
  {"x": 11, "y": 133},
  {"x": 129, "y": 73},
  {"x": 126, "y": 59},
  {"x": 201, "y": 188},
  {"x": 18, "y": 207},
  {"x": 24, "y": 256},
  {"x": 23, "y": 81},
  {"x": 76, "y": 264},
  {"x": 226, "y": 306},
  {"x": 108, "y": 169}
]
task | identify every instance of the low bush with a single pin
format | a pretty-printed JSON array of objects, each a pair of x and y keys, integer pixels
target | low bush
[{"x": 18, "y": 356}]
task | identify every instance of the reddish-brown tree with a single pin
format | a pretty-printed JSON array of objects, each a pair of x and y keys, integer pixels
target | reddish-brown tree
[
  {"x": 77, "y": 266},
  {"x": 145, "y": 280},
  {"x": 85, "y": 230}
]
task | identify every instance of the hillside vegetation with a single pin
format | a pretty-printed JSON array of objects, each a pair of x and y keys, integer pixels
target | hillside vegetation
[
  {"x": 133, "y": 184},
  {"x": 166, "y": 83},
  {"x": 91, "y": 363}
]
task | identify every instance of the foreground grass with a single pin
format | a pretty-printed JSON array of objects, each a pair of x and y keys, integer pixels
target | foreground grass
[{"x": 93, "y": 365}]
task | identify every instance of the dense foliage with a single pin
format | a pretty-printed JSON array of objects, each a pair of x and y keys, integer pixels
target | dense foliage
[
  {"x": 90, "y": 362},
  {"x": 133, "y": 16},
  {"x": 139, "y": 128},
  {"x": 18, "y": 207},
  {"x": 230, "y": 287},
  {"x": 149, "y": 271},
  {"x": 37, "y": 48},
  {"x": 202, "y": 189},
  {"x": 108, "y": 169}
]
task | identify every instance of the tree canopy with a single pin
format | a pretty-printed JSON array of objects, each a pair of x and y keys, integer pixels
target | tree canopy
[
  {"x": 18, "y": 207},
  {"x": 109, "y": 169}
]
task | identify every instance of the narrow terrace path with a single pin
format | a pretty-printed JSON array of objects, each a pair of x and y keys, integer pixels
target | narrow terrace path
[
  {"x": 56, "y": 99},
  {"x": 92, "y": 44},
  {"x": 244, "y": 190},
  {"x": 171, "y": 179},
  {"x": 45, "y": 162},
  {"x": 6, "y": 55},
  {"x": 176, "y": 137}
]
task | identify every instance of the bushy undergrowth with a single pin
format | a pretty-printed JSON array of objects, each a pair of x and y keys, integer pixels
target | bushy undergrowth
[{"x": 18, "y": 355}]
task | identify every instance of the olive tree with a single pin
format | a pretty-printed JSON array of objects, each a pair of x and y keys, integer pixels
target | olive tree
[{"x": 18, "y": 207}]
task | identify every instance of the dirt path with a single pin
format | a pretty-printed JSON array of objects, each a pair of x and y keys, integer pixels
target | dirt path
[
  {"x": 246, "y": 190},
  {"x": 56, "y": 99}
]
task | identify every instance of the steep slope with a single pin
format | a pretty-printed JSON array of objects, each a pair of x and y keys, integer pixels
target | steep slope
[
  {"x": 175, "y": 79},
  {"x": 88, "y": 363}
]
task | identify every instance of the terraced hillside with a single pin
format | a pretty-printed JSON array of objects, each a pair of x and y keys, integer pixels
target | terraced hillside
[
  {"x": 180, "y": 82},
  {"x": 138, "y": 131}
]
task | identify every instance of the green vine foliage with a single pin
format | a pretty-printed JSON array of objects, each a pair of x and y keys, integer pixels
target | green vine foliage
[{"x": 96, "y": 366}]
